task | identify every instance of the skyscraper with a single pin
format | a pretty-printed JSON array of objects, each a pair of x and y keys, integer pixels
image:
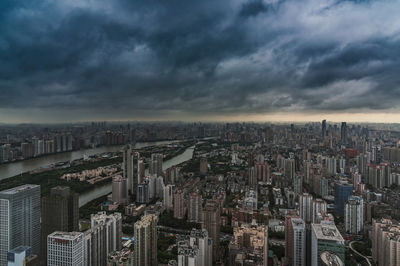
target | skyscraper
[
  {"x": 354, "y": 215},
  {"x": 298, "y": 242},
  {"x": 343, "y": 191},
  {"x": 145, "y": 231},
  {"x": 168, "y": 199},
  {"x": 60, "y": 212},
  {"x": 103, "y": 237},
  {"x": 127, "y": 167},
  {"x": 305, "y": 202},
  {"x": 155, "y": 165},
  {"x": 119, "y": 189},
  {"x": 289, "y": 235},
  {"x": 20, "y": 219},
  {"x": 290, "y": 168},
  {"x": 323, "y": 129},
  {"x": 65, "y": 248},
  {"x": 331, "y": 165},
  {"x": 195, "y": 207},
  {"x": 319, "y": 206},
  {"x": 211, "y": 222},
  {"x": 140, "y": 171},
  {"x": 179, "y": 205},
  {"x": 200, "y": 239},
  {"x": 343, "y": 133}
]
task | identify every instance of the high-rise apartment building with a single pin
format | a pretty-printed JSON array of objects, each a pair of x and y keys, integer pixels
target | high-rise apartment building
[
  {"x": 331, "y": 164},
  {"x": 145, "y": 232},
  {"x": 263, "y": 172},
  {"x": 60, "y": 212},
  {"x": 289, "y": 235},
  {"x": 179, "y": 204},
  {"x": 200, "y": 239},
  {"x": 140, "y": 171},
  {"x": 323, "y": 188},
  {"x": 343, "y": 133},
  {"x": 298, "y": 240},
  {"x": 156, "y": 164},
  {"x": 128, "y": 168},
  {"x": 168, "y": 199},
  {"x": 195, "y": 207},
  {"x": 65, "y": 249},
  {"x": 20, "y": 219},
  {"x": 354, "y": 215},
  {"x": 319, "y": 207},
  {"x": 105, "y": 236},
  {"x": 196, "y": 249},
  {"x": 120, "y": 190},
  {"x": 142, "y": 194},
  {"x": 305, "y": 202},
  {"x": 290, "y": 168},
  {"x": 211, "y": 222}
]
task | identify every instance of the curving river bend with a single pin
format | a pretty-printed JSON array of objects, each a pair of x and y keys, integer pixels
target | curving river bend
[{"x": 16, "y": 168}]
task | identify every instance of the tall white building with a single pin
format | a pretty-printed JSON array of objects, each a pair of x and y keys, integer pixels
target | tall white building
[
  {"x": 319, "y": 206},
  {"x": 305, "y": 202},
  {"x": 298, "y": 241},
  {"x": 195, "y": 251},
  {"x": 200, "y": 239},
  {"x": 354, "y": 215},
  {"x": 19, "y": 219},
  {"x": 65, "y": 249}
]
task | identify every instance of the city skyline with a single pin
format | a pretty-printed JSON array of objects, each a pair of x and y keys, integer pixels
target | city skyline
[{"x": 259, "y": 60}]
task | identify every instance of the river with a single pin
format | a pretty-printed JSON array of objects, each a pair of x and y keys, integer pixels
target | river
[
  {"x": 106, "y": 189},
  {"x": 16, "y": 168}
]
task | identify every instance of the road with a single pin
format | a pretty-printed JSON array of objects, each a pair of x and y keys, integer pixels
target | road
[{"x": 358, "y": 253}]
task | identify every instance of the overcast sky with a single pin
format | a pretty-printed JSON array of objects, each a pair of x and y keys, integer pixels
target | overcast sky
[{"x": 199, "y": 60}]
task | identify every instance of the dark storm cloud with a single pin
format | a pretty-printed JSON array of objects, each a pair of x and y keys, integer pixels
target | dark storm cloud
[{"x": 199, "y": 56}]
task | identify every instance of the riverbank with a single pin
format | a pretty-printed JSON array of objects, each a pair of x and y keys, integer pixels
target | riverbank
[
  {"x": 12, "y": 169},
  {"x": 50, "y": 178}
]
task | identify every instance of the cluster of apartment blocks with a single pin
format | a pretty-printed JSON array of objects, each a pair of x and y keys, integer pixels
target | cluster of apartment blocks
[
  {"x": 61, "y": 244},
  {"x": 305, "y": 242},
  {"x": 20, "y": 226},
  {"x": 385, "y": 238}
]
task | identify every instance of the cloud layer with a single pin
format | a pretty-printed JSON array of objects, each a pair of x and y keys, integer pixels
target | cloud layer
[{"x": 132, "y": 57}]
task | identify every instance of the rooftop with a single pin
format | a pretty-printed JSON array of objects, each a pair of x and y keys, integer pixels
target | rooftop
[
  {"x": 20, "y": 249},
  {"x": 65, "y": 235},
  {"x": 327, "y": 232},
  {"x": 21, "y": 188}
]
